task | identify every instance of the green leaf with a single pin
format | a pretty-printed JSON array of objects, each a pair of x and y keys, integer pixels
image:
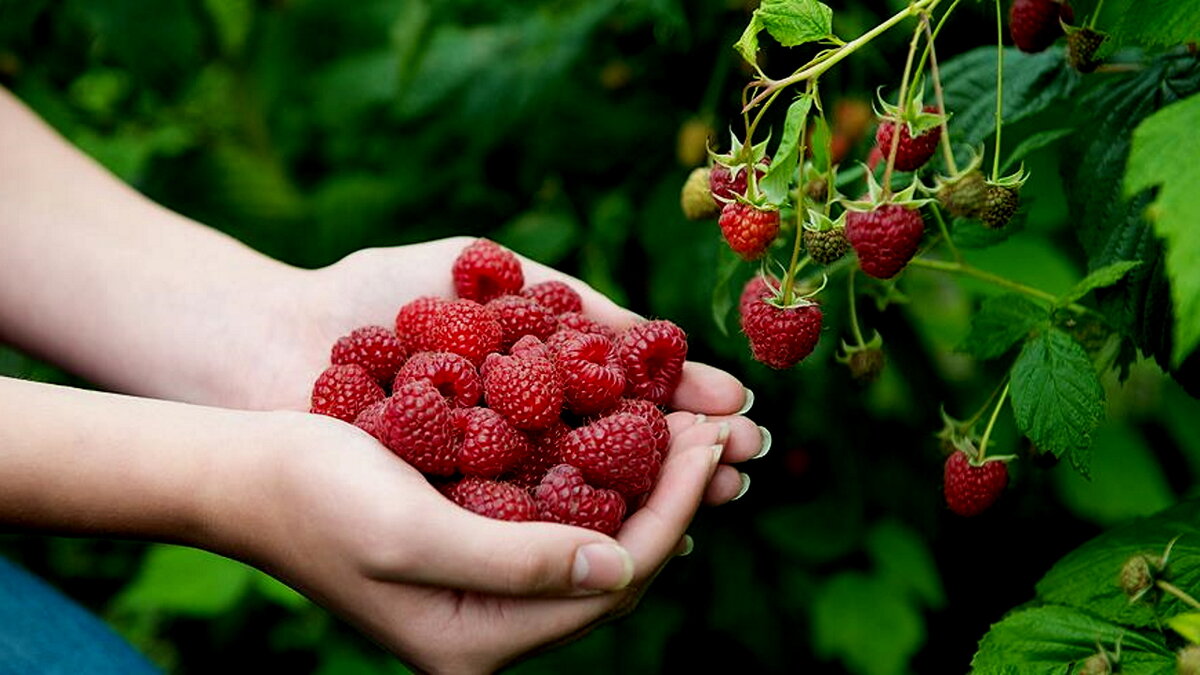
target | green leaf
[
  {"x": 1164, "y": 149},
  {"x": 1088, "y": 577},
  {"x": 867, "y": 623},
  {"x": 747, "y": 44},
  {"x": 185, "y": 581},
  {"x": 1102, "y": 278},
  {"x": 1000, "y": 323},
  {"x": 821, "y": 138},
  {"x": 232, "y": 20},
  {"x": 278, "y": 592},
  {"x": 796, "y": 22},
  {"x": 1033, "y": 143},
  {"x": 1053, "y": 640},
  {"x": 1057, "y": 397},
  {"x": 778, "y": 177},
  {"x": 546, "y": 235},
  {"x": 1153, "y": 23},
  {"x": 723, "y": 291},
  {"x": 1187, "y": 625},
  {"x": 903, "y": 560},
  {"x": 1126, "y": 480},
  {"x": 818, "y": 532}
]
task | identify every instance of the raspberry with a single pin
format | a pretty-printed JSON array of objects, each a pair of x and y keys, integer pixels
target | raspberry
[
  {"x": 494, "y": 499},
  {"x": 373, "y": 347},
  {"x": 726, "y": 187},
  {"x": 1034, "y": 24},
  {"x": 488, "y": 445},
  {"x": 453, "y": 375},
  {"x": 964, "y": 196},
  {"x": 970, "y": 488},
  {"x": 695, "y": 198},
  {"x": 416, "y": 425},
  {"x": 911, "y": 153},
  {"x": 885, "y": 239},
  {"x": 826, "y": 246},
  {"x": 748, "y": 229},
  {"x": 485, "y": 270},
  {"x": 414, "y": 320},
  {"x": 519, "y": 317},
  {"x": 371, "y": 418},
  {"x": 525, "y": 390},
  {"x": 467, "y": 328},
  {"x": 1082, "y": 45},
  {"x": 555, "y": 296},
  {"x": 564, "y": 496},
  {"x": 577, "y": 321},
  {"x": 779, "y": 337},
  {"x": 530, "y": 347},
  {"x": 652, "y": 414},
  {"x": 999, "y": 206},
  {"x": 616, "y": 452},
  {"x": 545, "y": 455},
  {"x": 590, "y": 371},
  {"x": 756, "y": 288},
  {"x": 653, "y": 353},
  {"x": 343, "y": 390}
]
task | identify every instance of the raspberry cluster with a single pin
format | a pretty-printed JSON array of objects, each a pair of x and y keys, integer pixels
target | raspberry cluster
[{"x": 510, "y": 399}]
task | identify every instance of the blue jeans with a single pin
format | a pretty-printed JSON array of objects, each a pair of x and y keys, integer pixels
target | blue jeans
[{"x": 42, "y": 632}]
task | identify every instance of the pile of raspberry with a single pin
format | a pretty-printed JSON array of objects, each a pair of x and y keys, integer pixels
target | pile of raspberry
[{"x": 509, "y": 399}]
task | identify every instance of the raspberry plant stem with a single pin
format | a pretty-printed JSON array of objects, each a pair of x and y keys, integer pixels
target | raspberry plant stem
[
  {"x": 1095, "y": 14},
  {"x": 1004, "y": 282},
  {"x": 1178, "y": 593},
  {"x": 937, "y": 215},
  {"x": 987, "y": 432},
  {"x": 947, "y": 149},
  {"x": 999, "y": 89},
  {"x": 905, "y": 85},
  {"x": 854, "y": 327}
]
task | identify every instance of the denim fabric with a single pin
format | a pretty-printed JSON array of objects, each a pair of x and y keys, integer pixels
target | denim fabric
[{"x": 42, "y": 632}]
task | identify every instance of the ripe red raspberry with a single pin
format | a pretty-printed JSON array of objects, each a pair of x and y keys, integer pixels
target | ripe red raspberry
[
  {"x": 370, "y": 419},
  {"x": 748, "y": 229},
  {"x": 653, "y": 353},
  {"x": 485, "y": 270},
  {"x": 727, "y": 187},
  {"x": 416, "y": 425},
  {"x": 755, "y": 289},
  {"x": 564, "y": 496},
  {"x": 971, "y": 489},
  {"x": 781, "y": 338},
  {"x": 652, "y": 414},
  {"x": 525, "y": 390},
  {"x": 452, "y": 374},
  {"x": 494, "y": 499},
  {"x": 373, "y": 347},
  {"x": 519, "y": 317},
  {"x": 1034, "y": 24},
  {"x": 530, "y": 347},
  {"x": 555, "y": 296},
  {"x": 590, "y": 370},
  {"x": 885, "y": 239},
  {"x": 343, "y": 390},
  {"x": 545, "y": 455},
  {"x": 488, "y": 445},
  {"x": 414, "y": 320},
  {"x": 579, "y": 322},
  {"x": 467, "y": 328},
  {"x": 911, "y": 153},
  {"x": 616, "y": 452}
]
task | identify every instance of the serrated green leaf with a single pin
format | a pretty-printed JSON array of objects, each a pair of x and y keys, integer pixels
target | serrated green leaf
[
  {"x": 903, "y": 560},
  {"x": 1057, "y": 397},
  {"x": 1053, "y": 640},
  {"x": 1187, "y": 625},
  {"x": 1163, "y": 155},
  {"x": 1102, "y": 278},
  {"x": 778, "y": 177},
  {"x": 1088, "y": 577},
  {"x": 1033, "y": 143},
  {"x": 1153, "y": 23},
  {"x": 747, "y": 44},
  {"x": 796, "y": 22},
  {"x": 1000, "y": 323},
  {"x": 185, "y": 581},
  {"x": 867, "y": 624},
  {"x": 723, "y": 291}
]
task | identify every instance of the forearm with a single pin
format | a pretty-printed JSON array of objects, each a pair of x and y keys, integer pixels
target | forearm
[{"x": 98, "y": 279}]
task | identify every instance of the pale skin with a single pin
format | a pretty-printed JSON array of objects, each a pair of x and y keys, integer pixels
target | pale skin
[{"x": 214, "y": 348}]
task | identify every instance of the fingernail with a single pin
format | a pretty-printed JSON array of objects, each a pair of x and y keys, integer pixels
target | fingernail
[
  {"x": 723, "y": 433},
  {"x": 748, "y": 404},
  {"x": 687, "y": 545},
  {"x": 745, "y": 486},
  {"x": 701, "y": 418},
  {"x": 601, "y": 567},
  {"x": 766, "y": 443}
]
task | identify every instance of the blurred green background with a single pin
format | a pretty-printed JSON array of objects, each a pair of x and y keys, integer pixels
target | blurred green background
[{"x": 564, "y": 129}]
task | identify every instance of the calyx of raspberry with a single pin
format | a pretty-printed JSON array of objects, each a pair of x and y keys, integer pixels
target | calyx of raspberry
[
  {"x": 913, "y": 115},
  {"x": 876, "y": 197},
  {"x": 819, "y": 221},
  {"x": 740, "y": 158},
  {"x": 1012, "y": 181},
  {"x": 865, "y": 361}
]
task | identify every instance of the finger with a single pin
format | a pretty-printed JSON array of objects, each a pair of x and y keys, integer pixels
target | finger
[
  {"x": 744, "y": 439},
  {"x": 727, "y": 485},
  {"x": 709, "y": 390}
]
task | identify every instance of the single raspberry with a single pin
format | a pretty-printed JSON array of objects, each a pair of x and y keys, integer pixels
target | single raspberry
[
  {"x": 525, "y": 390},
  {"x": 826, "y": 246},
  {"x": 590, "y": 370},
  {"x": 370, "y": 419},
  {"x": 1000, "y": 204},
  {"x": 530, "y": 347},
  {"x": 414, "y": 320},
  {"x": 1034, "y": 24},
  {"x": 579, "y": 322},
  {"x": 520, "y": 316},
  {"x": 485, "y": 270},
  {"x": 488, "y": 445},
  {"x": 726, "y": 187},
  {"x": 885, "y": 238},
  {"x": 343, "y": 390},
  {"x": 781, "y": 337},
  {"x": 964, "y": 196},
  {"x": 1187, "y": 660},
  {"x": 755, "y": 289},
  {"x": 453, "y": 375},
  {"x": 564, "y": 496},
  {"x": 748, "y": 229},
  {"x": 616, "y": 452},
  {"x": 695, "y": 197},
  {"x": 970, "y": 488},
  {"x": 555, "y": 296},
  {"x": 1136, "y": 577},
  {"x": 373, "y": 347},
  {"x": 416, "y": 425},
  {"x": 653, "y": 353},
  {"x": 1096, "y": 664},
  {"x": 866, "y": 365},
  {"x": 1082, "y": 45},
  {"x": 911, "y": 152},
  {"x": 545, "y": 455},
  {"x": 467, "y": 328},
  {"x": 652, "y": 414},
  {"x": 494, "y": 499}
]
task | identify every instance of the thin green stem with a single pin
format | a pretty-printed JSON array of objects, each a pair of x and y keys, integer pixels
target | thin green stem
[
  {"x": 987, "y": 432},
  {"x": 904, "y": 87},
  {"x": 937, "y": 215},
  {"x": 947, "y": 150},
  {"x": 794, "y": 266},
  {"x": 999, "y": 88},
  {"x": 1095, "y": 14},
  {"x": 1004, "y": 282},
  {"x": 758, "y": 118},
  {"x": 1178, "y": 592},
  {"x": 854, "y": 327},
  {"x": 973, "y": 419}
]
